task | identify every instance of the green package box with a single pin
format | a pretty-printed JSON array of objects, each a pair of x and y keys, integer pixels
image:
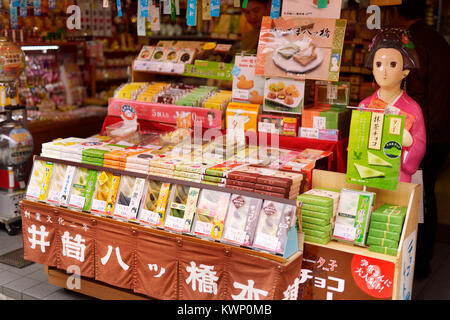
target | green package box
[
  {"x": 315, "y": 200},
  {"x": 317, "y": 233},
  {"x": 316, "y": 214},
  {"x": 352, "y": 220},
  {"x": 385, "y": 250},
  {"x": 395, "y": 236},
  {"x": 382, "y": 242},
  {"x": 375, "y": 149},
  {"x": 316, "y": 239},
  {"x": 312, "y": 207},
  {"x": 90, "y": 188},
  {"x": 325, "y": 228},
  {"x": 383, "y": 226},
  {"x": 316, "y": 221},
  {"x": 391, "y": 214}
]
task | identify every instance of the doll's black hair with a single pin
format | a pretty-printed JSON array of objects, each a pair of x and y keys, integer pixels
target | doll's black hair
[{"x": 394, "y": 39}]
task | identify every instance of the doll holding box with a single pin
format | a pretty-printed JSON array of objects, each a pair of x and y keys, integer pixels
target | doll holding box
[{"x": 391, "y": 57}]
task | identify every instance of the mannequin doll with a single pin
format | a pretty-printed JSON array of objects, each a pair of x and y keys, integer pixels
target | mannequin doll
[{"x": 391, "y": 57}]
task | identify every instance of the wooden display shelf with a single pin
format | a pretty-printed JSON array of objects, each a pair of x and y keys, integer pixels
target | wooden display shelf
[
  {"x": 407, "y": 194},
  {"x": 91, "y": 287}
]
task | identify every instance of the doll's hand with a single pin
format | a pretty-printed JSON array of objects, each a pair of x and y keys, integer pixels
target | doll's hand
[{"x": 407, "y": 139}]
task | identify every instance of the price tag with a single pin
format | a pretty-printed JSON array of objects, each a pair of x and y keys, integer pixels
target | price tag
[
  {"x": 311, "y": 133},
  {"x": 319, "y": 123}
]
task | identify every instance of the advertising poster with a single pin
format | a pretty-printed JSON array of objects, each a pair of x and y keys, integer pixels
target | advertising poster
[
  {"x": 329, "y": 274},
  {"x": 375, "y": 149},
  {"x": 300, "y": 48},
  {"x": 247, "y": 87}
]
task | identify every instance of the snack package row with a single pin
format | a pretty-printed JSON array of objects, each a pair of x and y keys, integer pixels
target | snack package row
[{"x": 210, "y": 214}]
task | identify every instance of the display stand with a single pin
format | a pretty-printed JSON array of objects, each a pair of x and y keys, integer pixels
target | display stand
[
  {"x": 398, "y": 270},
  {"x": 148, "y": 261}
]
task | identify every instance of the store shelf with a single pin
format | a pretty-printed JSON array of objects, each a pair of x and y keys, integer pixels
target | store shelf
[{"x": 195, "y": 38}]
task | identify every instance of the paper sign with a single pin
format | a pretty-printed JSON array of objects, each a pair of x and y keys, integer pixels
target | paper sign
[
  {"x": 247, "y": 87},
  {"x": 374, "y": 155},
  {"x": 312, "y": 8}
]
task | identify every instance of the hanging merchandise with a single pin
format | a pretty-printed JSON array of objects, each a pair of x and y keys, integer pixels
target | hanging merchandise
[
  {"x": 215, "y": 8},
  {"x": 119, "y": 8},
  {"x": 155, "y": 18},
  {"x": 23, "y": 8},
  {"x": 206, "y": 9},
  {"x": 141, "y": 17},
  {"x": 237, "y": 3},
  {"x": 37, "y": 7},
  {"x": 172, "y": 10},
  {"x": 52, "y": 4},
  {"x": 167, "y": 6},
  {"x": 143, "y": 4},
  {"x": 191, "y": 15},
  {"x": 275, "y": 9},
  {"x": 244, "y": 4},
  {"x": 13, "y": 17}
]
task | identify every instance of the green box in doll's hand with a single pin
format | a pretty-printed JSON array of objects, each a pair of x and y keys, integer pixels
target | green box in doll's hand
[{"x": 375, "y": 149}]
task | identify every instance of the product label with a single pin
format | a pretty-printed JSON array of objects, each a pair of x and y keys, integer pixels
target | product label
[
  {"x": 319, "y": 122},
  {"x": 203, "y": 228},
  {"x": 45, "y": 181},
  {"x": 136, "y": 196},
  {"x": 266, "y": 241}
]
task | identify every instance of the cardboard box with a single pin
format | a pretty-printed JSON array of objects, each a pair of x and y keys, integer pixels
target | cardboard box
[{"x": 246, "y": 112}]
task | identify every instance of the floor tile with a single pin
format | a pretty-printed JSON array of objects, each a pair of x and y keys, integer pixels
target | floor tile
[
  {"x": 40, "y": 291},
  {"x": 39, "y": 275},
  {"x": 26, "y": 270},
  {"x": 14, "y": 288},
  {"x": 7, "y": 276},
  {"x": 438, "y": 287}
]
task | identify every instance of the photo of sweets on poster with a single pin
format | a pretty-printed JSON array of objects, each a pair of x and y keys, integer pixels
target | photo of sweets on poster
[
  {"x": 312, "y": 8},
  {"x": 247, "y": 87},
  {"x": 284, "y": 95},
  {"x": 300, "y": 48}
]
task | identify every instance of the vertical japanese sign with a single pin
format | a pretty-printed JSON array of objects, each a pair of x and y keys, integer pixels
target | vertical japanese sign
[
  {"x": 329, "y": 274},
  {"x": 407, "y": 274},
  {"x": 375, "y": 149}
]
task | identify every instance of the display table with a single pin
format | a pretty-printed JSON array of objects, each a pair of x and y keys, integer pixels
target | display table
[
  {"x": 355, "y": 273},
  {"x": 119, "y": 259}
]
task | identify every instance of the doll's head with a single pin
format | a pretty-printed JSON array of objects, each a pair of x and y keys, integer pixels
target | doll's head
[{"x": 391, "y": 57}]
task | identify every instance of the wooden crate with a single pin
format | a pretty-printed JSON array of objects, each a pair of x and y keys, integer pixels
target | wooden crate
[{"x": 408, "y": 195}]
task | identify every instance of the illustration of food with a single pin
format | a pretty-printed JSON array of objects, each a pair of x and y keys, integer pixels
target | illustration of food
[
  {"x": 255, "y": 98},
  {"x": 377, "y": 161},
  {"x": 291, "y": 90},
  {"x": 271, "y": 95},
  {"x": 288, "y": 51},
  {"x": 366, "y": 172},
  {"x": 289, "y": 100},
  {"x": 153, "y": 191},
  {"x": 306, "y": 55},
  {"x": 244, "y": 84}
]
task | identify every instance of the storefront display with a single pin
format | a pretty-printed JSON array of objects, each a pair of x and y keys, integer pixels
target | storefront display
[{"x": 215, "y": 160}]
